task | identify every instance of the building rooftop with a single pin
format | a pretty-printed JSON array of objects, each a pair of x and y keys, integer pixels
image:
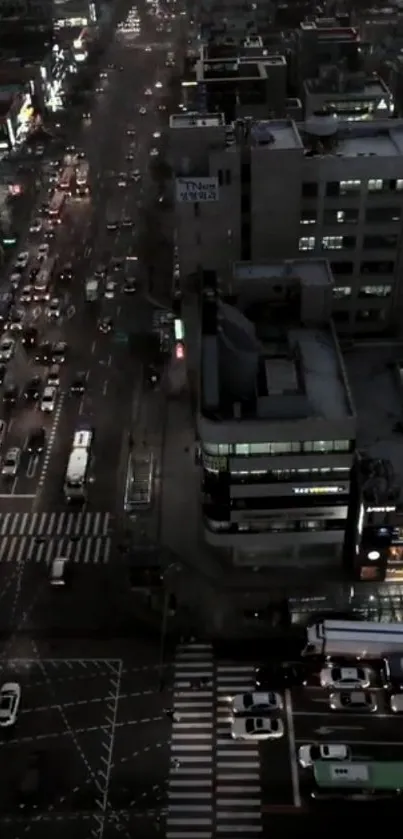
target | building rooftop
[
  {"x": 386, "y": 142},
  {"x": 376, "y": 380},
  {"x": 196, "y": 120},
  {"x": 276, "y": 134},
  {"x": 260, "y": 361},
  {"x": 351, "y": 86}
]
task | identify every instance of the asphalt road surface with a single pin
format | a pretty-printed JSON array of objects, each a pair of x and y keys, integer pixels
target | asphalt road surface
[{"x": 37, "y": 524}]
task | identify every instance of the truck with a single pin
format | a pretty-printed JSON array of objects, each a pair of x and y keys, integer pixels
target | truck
[
  {"x": 358, "y": 639},
  {"x": 91, "y": 289}
]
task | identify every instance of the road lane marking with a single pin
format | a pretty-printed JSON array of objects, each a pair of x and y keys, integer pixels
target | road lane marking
[
  {"x": 292, "y": 750},
  {"x": 360, "y": 742},
  {"x": 51, "y": 441},
  {"x": 339, "y": 714}
]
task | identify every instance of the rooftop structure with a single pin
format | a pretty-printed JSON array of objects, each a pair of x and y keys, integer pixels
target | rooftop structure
[{"x": 352, "y": 96}]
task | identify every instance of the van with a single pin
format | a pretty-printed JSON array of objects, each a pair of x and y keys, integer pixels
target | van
[
  {"x": 58, "y": 571},
  {"x": 396, "y": 703}
]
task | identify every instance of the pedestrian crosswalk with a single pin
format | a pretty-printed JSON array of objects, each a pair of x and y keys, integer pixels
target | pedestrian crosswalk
[
  {"x": 81, "y": 537},
  {"x": 214, "y": 785},
  {"x": 238, "y": 790},
  {"x": 191, "y": 775}
]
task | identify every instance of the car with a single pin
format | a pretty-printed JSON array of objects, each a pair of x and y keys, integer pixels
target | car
[
  {"x": 156, "y": 135},
  {"x": 15, "y": 278},
  {"x": 7, "y": 347},
  {"x": 310, "y": 752},
  {"x": 122, "y": 180},
  {"x": 130, "y": 156},
  {"x": 112, "y": 224},
  {"x": 34, "y": 272},
  {"x": 49, "y": 232},
  {"x": 15, "y": 322},
  {"x": 43, "y": 251},
  {"x": 48, "y": 400},
  {"x": 53, "y": 377},
  {"x": 10, "y": 393},
  {"x": 66, "y": 272},
  {"x": 257, "y": 728},
  {"x": 130, "y": 285},
  {"x": 105, "y": 325},
  {"x": 148, "y": 91},
  {"x": 103, "y": 75},
  {"x": 127, "y": 221},
  {"x": 36, "y": 225},
  {"x": 33, "y": 389},
  {"x": 43, "y": 353},
  {"x": 281, "y": 675},
  {"x": 136, "y": 175},
  {"x": 23, "y": 259},
  {"x": 59, "y": 352},
  {"x": 109, "y": 292},
  {"x": 29, "y": 336},
  {"x": 345, "y": 678},
  {"x": 36, "y": 441},
  {"x": 142, "y": 110},
  {"x": 158, "y": 85},
  {"x": 117, "y": 262},
  {"x": 130, "y": 131},
  {"x": 100, "y": 271},
  {"x": 154, "y": 152},
  {"x": 3, "y": 371},
  {"x": 353, "y": 700},
  {"x": 79, "y": 383},
  {"x": 256, "y": 702},
  {"x": 10, "y": 698},
  {"x": 53, "y": 310},
  {"x": 11, "y": 463},
  {"x": 26, "y": 295}
]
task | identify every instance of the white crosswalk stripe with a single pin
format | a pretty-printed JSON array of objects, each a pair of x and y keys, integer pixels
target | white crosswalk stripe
[
  {"x": 190, "y": 783},
  {"x": 238, "y": 787},
  {"x": 40, "y": 537}
]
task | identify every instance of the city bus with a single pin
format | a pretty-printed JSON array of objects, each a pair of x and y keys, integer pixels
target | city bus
[
  {"x": 139, "y": 481},
  {"x": 43, "y": 280},
  {"x": 76, "y": 478},
  {"x": 56, "y": 206},
  {"x": 66, "y": 179},
  {"x": 82, "y": 173},
  {"x": 359, "y": 639},
  {"x": 357, "y": 779}
]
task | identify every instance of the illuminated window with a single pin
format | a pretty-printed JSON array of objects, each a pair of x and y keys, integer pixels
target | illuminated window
[
  {"x": 332, "y": 243},
  {"x": 306, "y": 243},
  {"x": 339, "y": 292},
  {"x": 375, "y": 185},
  {"x": 350, "y": 187}
]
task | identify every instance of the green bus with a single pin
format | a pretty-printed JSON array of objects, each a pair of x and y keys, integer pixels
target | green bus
[{"x": 354, "y": 779}]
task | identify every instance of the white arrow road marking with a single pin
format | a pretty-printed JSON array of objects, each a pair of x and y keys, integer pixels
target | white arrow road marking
[{"x": 328, "y": 730}]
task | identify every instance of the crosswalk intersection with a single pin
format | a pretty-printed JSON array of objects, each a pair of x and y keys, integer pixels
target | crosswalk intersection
[
  {"x": 81, "y": 537},
  {"x": 214, "y": 782}
]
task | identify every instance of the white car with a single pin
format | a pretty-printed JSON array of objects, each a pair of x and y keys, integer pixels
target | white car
[
  {"x": 157, "y": 135},
  {"x": 109, "y": 290},
  {"x": 345, "y": 678},
  {"x": 7, "y": 348},
  {"x": 148, "y": 91},
  {"x": 10, "y": 698},
  {"x": 158, "y": 85},
  {"x": 11, "y": 463},
  {"x": 324, "y": 751},
  {"x": 53, "y": 379},
  {"x": 48, "y": 399},
  {"x": 154, "y": 152},
  {"x": 257, "y": 728},
  {"x": 26, "y": 295},
  {"x": 23, "y": 259},
  {"x": 43, "y": 251},
  {"x": 15, "y": 278},
  {"x": 256, "y": 702},
  {"x": 53, "y": 311},
  {"x": 36, "y": 226}
]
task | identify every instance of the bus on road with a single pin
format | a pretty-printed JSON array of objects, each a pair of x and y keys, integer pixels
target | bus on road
[
  {"x": 66, "y": 179},
  {"x": 356, "y": 779},
  {"x": 82, "y": 173},
  {"x": 56, "y": 206},
  {"x": 359, "y": 639},
  {"x": 76, "y": 479},
  {"x": 139, "y": 481}
]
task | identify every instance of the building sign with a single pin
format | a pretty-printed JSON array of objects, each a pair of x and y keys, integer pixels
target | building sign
[
  {"x": 333, "y": 490},
  {"x": 196, "y": 190}
]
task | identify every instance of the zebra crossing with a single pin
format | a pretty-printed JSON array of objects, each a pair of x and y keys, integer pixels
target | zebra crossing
[
  {"x": 81, "y": 537},
  {"x": 238, "y": 788},
  {"x": 214, "y": 782},
  {"x": 190, "y": 782}
]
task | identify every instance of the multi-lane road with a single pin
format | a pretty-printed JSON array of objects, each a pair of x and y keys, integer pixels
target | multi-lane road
[{"x": 120, "y": 142}]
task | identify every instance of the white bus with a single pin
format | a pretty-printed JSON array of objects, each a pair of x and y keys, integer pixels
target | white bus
[
  {"x": 76, "y": 480},
  {"x": 359, "y": 639},
  {"x": 82, "y": 174},
  {"x": 66, "y": 179},
  {"x": 56, "y": 205},
  {"x": 43, "y": 280}
]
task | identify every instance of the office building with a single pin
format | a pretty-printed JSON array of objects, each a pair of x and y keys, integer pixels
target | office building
[
  {"x": 352, "y": 97},
  {"x": 276, "y": 422},
  {"x": 253, "y": 191}
]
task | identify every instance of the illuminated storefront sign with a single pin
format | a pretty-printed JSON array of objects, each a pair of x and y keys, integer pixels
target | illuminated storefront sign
[
  {"x": 381, "y": 509},
  {"x": 331, "y": 490}
]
